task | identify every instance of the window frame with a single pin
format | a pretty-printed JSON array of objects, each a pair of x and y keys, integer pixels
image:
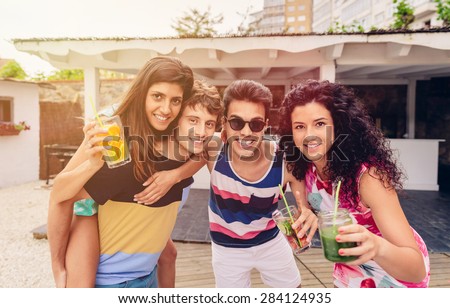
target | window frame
[{"x": 4, "y": 102}]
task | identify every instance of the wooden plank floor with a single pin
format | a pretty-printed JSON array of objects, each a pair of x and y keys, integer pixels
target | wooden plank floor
[{"x": 194, "y": 268}]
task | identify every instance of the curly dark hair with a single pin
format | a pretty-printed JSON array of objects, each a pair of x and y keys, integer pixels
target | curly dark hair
[{"x": 357, "y": 140}]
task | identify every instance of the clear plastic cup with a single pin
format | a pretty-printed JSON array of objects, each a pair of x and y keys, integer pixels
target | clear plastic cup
[
  {"x": 328, "y": 229},
  {"x": 115, "y": 151},
  {"x": 284, "y": 223}
]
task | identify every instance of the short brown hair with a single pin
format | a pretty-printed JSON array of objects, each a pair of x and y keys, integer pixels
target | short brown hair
[
  {"x": 207, "y": 96},
  {"x": 250, "y": 91}
]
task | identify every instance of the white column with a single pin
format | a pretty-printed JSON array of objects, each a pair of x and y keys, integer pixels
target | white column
[
  {"x": 91, "y": 91},
  {"x": 411, "y": 108},
  {"x": 328, "y": 72}
]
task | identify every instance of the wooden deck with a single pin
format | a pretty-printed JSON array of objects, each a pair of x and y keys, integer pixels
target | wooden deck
[{"x": 194, "y": 268}]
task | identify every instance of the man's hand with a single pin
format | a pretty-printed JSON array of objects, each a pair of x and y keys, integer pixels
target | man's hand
[{"x": 307, "y": 220}]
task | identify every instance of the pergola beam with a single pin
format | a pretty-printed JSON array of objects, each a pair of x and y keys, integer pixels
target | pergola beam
[
  {"x": 213, "y": 54},
  {"x": 394, "y": 50},
  {"x": 265, "y": 71},
  {"x": 273, "y": 54},
  {"x": 110, "y": 56},
  {"x": 296, "y": 71},
  {"x": 334, "y": 52},
  {"x": 232, "y": 72}
]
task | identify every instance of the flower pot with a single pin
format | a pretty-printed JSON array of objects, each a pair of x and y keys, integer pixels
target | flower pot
[
  {"x": 11, "y": 129},
  {"x": 9, "y": 132}
]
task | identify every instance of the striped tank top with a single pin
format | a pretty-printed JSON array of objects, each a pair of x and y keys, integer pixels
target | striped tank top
[{"x": 240, "y": 212}]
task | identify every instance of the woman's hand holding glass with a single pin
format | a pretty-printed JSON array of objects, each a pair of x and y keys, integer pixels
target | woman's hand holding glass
[
  {"x": 94, "y": 138},
  {"x": 368, "y": 247}
]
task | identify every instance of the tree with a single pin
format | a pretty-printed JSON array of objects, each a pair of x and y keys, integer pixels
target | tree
[
  {"x": 67, "y": 75},
  {"x": 195, "y": 23},
  {"x": 443, "y": 11},
  {"x": 12, "y": 69},
  {"x": 75, "y": 74},
  {"x": 245, "y": 28},
  {"x": 403, "y": 15}
]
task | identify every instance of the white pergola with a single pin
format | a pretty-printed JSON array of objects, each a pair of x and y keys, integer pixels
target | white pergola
[
  {"x": 386, "y": 58},
  {"x": 353, "y": 59}
]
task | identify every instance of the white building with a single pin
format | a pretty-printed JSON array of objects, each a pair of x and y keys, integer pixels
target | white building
[
  {"x": 271, "y": 18},
  {"x": 367, "y": 13},
  {"x": 19, "y": 154},
  {"x": 283, "y": 16}
]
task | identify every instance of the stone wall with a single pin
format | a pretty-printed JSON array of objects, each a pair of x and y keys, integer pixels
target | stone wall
[{"x": 111, "y": 91}]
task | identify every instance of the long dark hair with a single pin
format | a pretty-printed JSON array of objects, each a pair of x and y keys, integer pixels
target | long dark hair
[
  {"x": 356, "y": 137},
  {"x": 132, "y": 110}
]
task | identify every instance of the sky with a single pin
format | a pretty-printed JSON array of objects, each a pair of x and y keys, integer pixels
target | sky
[{"x": 102, "y": 18}]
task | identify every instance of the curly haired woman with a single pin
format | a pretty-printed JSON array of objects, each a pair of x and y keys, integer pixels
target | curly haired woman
[{"x": 328, "y": 136}]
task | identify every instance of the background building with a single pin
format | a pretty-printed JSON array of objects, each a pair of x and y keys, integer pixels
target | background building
[
  {"x": 368, "y": 13},
  {"x": 283, "y": 16},
  {"x": 19, "y": 155}
]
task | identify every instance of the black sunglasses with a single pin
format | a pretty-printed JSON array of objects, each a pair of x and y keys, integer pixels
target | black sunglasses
[{"x": 255, "y": 125}]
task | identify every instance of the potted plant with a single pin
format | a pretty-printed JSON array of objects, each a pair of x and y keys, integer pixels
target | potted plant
[{"x": 11, "y": 129}]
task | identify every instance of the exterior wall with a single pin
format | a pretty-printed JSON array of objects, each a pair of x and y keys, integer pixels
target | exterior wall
[
  {"x": 273, "y": 19},
  {"x": 418, "y": 158},
  {"x": 278, "y": 16},
  {"x": 322, "y": 15},
  {"x": 368, "y": 13},
  {"x": 19, "y": 155},
  {"x": 298, "y": 16}
]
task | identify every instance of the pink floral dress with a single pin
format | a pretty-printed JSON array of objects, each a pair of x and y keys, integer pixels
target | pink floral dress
[{"x": 370, "y": 274}]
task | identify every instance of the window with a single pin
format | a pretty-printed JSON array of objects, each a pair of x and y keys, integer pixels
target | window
[
  {"x": 301, "y": 18},
  {"x": 301, "y": 7},
  {"x": 302, "y": 29},
  {"x": 291, "y": 19},
  {"x": 291, "y": 8},
  {"x": 6, "y": 109}
]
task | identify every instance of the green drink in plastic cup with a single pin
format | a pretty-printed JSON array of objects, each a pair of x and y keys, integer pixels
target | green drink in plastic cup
[{"x": 328, "y": 229}]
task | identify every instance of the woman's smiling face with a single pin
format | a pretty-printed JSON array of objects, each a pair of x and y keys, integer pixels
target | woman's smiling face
[
  {"x": 163, "y": 104},
  {"x": 313, "y": 131}
]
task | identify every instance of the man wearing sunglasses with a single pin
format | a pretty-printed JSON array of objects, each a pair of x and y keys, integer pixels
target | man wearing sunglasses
[{"x": 245, "y": 179}]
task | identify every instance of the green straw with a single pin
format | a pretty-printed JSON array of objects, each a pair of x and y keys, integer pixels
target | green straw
[
  {"x": 285, "y": 203},
  {"x": 290, "y": 215},
  {"x": 100, "y": 122},
  {"x": 336, "y": 198}
]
